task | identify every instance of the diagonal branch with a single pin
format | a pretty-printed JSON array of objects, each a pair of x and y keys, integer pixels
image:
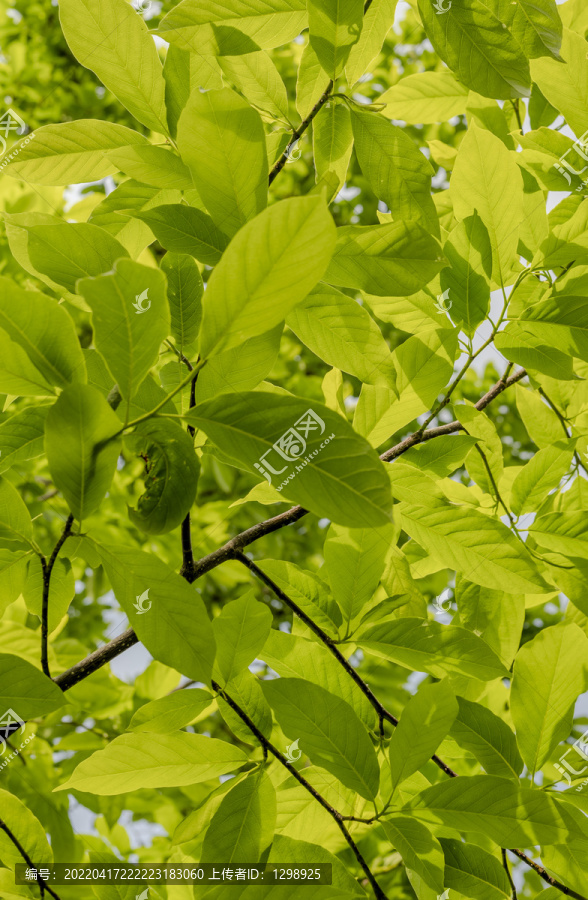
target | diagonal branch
[
  {"x": 336, "y": 816},
  {"x": 380, "y": 709},
  {"x": 226, "y": 552},
  {"x": 109, "y": 651}
]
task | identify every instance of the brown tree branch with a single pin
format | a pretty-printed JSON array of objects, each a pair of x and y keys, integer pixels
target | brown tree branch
[{"x": 47, "y": 570}]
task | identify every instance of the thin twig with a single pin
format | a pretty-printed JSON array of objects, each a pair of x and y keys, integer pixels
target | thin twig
[
  {"x": 508, "y": 875},
  {"x": 336, "y": 816},
  {"x": 380, "y": 709},
  {"x": 47, "y": 570},
  {"x": 43, "y": 886}
]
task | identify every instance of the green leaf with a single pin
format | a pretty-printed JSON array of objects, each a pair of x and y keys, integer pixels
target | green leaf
[
  {"x": 252, "y": 288},
  {"x": 240, "y": 632},
  {"x": 25, "y": 690},
  {"x": 396, "y": 170},
  {"x": 493, "y": 806},
  {"x": 329, "y": 731},
  {"x": 296, "y": 657},
  {"x": 479, "y": 48},
  {"x": 171, "y": 476},
  {"x": 469, "y": 252},
  {"x": 485, "y": 735},
  {"x": 565, "y": 84},
  {"x": 519, "y": 343},
  {"x": 377, "y": 21},
  {"x": 540, "y": 475},
  {"x": 27, "y": 831},
  {"x": 240, "y": 368},
  {"x": 184, "y": 72},
  {"x": 549, "y": 674},
  {"x": 243, "y": 825},
  {"x": 542, "y": 424},
  {"x": 562, "y": 532},
  {"x": 44, "y": 330},
  {"x": 536, "y": 25},
  {"x": 482, "y": 549},
  {"x": 425, "y": 98},
  {"x": 167, "y": 614},
  {"x": 495, "y": 616},
  {"x": 245, "y": 691},
  {"x": 81, "y": 447},
  {"x": 420, "y": 851},
  {"x": 306, "y": 590},
  {"x": 332, "y": 141},
  {"x": 333, "y": 29},
  {"x": 13, "y": 574},
  {"x": 71, "y": 152},
  {"x": 232, "y": 180},
  {"x": 66, "y": 252},
  {"x": 424, "y": 723},
  {"x": 152, "y": 165},
  {"x": 202, "y": 26},
  {"x": 18, "y": 375},
  {"x": 130, "y": 763},
  {"x": 343, "y": 334},
  {"x": 433, "y": 648},
  {"x": 183, "y": 229},
  {"x": 355, "y": 559},
  {"x": 61, "y": 591},
  {"x": 15, "y": 519},
  {"x": 311, "y": 83},
  {"x": 130, "y": 317},
  {"x": 22, "y": 436},
  {"x": 113, "y": 41},
  {"x": 172, "y": 712},
  {"x": 483, "y": 162},
  {"x": 424, "y": 365},
  {"x": 256, "y": 76},
  {"x": 560, "y": 322},
  {"x": 342, "y": 479},
  {"x": 388, "y": 260},
  {"x": 287, "y": 850},
  {"x": 474, "y": 872},
  {"x": 184, "y": 294}
]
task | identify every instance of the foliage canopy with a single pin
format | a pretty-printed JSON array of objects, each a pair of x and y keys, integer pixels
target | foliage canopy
[{"x": 293, "y": 515}]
